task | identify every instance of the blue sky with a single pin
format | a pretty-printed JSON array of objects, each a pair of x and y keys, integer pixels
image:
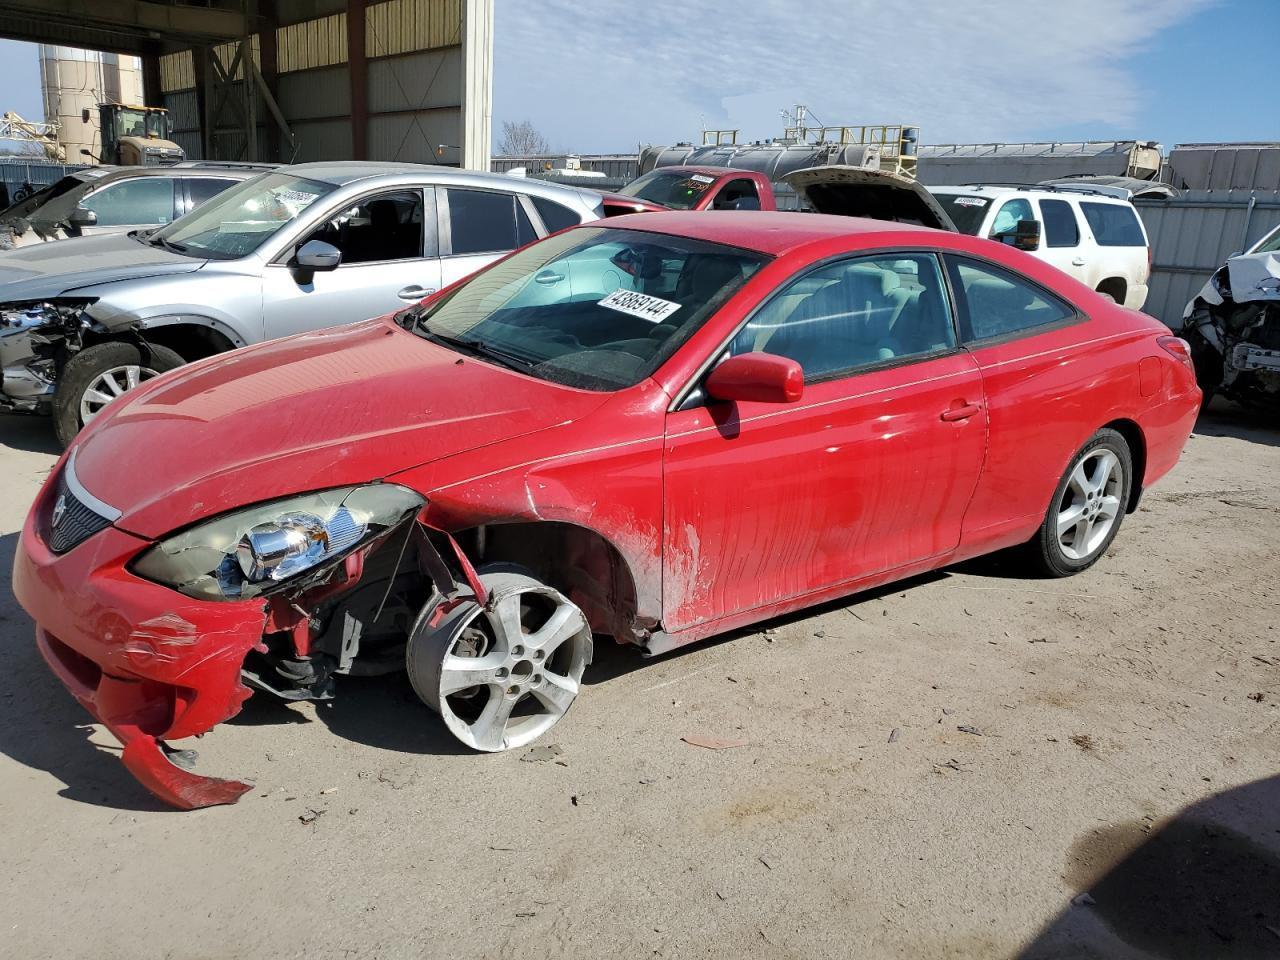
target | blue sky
[{"x": 603, "y": 77}]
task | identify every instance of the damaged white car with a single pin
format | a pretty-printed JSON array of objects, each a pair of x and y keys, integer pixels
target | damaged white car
[{"x": 1233, "y": 326}]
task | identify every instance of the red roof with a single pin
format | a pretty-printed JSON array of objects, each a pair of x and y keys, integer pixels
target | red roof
[{"x": 765, "y": 231}]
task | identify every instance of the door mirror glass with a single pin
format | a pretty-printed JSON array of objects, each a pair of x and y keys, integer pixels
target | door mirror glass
[
  {"x": 757, "y": 377},
  {"x": 1026, "y": 236}
]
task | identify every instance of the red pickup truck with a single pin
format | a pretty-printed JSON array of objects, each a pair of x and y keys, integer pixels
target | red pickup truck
[{"x": 693, "y": 188}]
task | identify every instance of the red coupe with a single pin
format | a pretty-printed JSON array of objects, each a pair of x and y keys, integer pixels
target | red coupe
[{"x": 651, "y": 430}]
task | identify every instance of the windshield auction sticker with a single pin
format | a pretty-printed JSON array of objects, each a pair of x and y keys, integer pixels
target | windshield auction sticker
[
  {"x": 969, "y": 202},
  {"x": 653, "y": 309}
]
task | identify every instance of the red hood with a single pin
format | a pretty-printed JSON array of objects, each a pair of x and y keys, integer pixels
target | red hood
[{"x": 345, "y": 405}]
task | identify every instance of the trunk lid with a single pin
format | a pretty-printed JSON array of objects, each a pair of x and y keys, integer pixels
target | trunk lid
[{"x": 875, "y": 194}]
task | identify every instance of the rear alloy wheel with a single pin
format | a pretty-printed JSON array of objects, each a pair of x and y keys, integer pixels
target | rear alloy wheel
[
  {"x": 503, "y": 674},
  {"x": 97, "y": 375},
  {"x": 1087, "y": 507}
]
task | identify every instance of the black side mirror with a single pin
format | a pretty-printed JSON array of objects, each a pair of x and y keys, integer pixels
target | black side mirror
[
  {"x": 1026, "y": 236},
  {"x": 82, "y": 217},
  {"x": 315, "y": 256}
]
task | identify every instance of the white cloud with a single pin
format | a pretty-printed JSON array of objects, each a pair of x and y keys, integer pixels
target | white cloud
[{"x": 606, "y": 74}]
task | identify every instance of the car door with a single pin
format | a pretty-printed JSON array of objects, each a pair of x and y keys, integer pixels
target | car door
[
  {"x": 1061, "y": 245},
  {"x": 477, "y": 227},
  {"x": 133, "y": 204},
  {"x": 869, "y": 471},
  {"x": 1037, "y": 372},
  {"x": 388, "y": 262}
]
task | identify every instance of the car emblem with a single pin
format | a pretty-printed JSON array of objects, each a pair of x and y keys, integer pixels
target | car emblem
[{"x": 59, "y": 509}]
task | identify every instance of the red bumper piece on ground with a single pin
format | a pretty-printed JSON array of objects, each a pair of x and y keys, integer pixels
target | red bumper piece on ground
[{"x": 126, "y": 708}]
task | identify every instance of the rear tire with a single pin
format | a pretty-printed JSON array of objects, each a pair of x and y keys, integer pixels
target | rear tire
[
  {"x": 1087, "y": 508},
  {"x": 85, "y": 383}
]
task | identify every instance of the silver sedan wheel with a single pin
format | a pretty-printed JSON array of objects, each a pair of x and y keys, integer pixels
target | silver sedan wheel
[
  {"x": 503, "y": 674},
  {"x": 1090, "y": 504},
  {"x": 110, "y": 384}
]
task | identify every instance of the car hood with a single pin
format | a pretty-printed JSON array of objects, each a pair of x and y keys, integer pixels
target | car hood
[
  {"x": 341, "y": 406},
  {"x": 45, "y": 270},
  {"x": 1254, "y": 276},
  {"x": 877, "y": 194}
]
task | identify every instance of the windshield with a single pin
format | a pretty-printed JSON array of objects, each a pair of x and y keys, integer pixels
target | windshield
[
  {"x": 237, "y": 222},
  {"x": 594, "y": 308},
  {"x": 141, "y": 123},
  {"x": 966, "y": 210},
  {"x": 674, "y": 189}
]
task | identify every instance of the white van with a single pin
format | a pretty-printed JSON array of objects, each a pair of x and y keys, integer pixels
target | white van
[{"x": 1092, "y": 233}]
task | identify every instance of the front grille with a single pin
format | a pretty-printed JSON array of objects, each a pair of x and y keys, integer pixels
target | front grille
[{"x": 72, "y": 522}]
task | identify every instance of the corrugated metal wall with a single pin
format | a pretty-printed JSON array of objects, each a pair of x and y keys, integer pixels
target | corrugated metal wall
[
  {"x": 1192, "y": 236},
  {"x": 414, "y": 83}
]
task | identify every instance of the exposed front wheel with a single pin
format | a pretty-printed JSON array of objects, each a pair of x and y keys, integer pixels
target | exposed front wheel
[
  {"x": 1087, "y": 508},
  {"x": 97, "y": 375},
  {"x": 503, "y": 674}
]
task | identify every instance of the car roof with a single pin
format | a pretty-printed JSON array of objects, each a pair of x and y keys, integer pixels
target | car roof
[
  {"x": 1005, "y": 189},
  {"x": 119, "y": 173},
  {"x": 341, "y": 173},
  {"x": 767, "y": 231}
]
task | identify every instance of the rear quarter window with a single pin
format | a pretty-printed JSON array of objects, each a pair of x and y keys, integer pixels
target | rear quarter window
[{"x": 1113, "y": 224}]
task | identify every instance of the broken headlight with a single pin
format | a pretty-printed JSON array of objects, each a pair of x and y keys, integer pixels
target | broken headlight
[{"x": 262, "y": 548}]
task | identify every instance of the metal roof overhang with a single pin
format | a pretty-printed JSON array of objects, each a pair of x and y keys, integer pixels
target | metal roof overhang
[{"x": 125, "y": 26}]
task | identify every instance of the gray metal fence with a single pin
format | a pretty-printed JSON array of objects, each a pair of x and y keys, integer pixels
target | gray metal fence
[
  {"x": 15, "y": 172},
  {"x": 1192, "y": 235}
]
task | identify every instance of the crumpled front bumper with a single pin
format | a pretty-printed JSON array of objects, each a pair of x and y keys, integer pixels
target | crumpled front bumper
[
  {"x": 24, "y": 383},
  {"x": 146, "y": 677}
]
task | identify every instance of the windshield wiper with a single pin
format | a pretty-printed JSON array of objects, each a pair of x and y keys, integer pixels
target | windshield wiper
[
  {"x": 167, "y": 244},
  {"x": 475, "y": 347}
]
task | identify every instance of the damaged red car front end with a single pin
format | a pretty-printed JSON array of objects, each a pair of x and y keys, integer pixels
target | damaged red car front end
[{"x": 146, "y": 676}]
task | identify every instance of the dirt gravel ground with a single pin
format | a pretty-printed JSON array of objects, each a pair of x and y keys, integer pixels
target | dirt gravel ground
[{"x": 971, "y": 764}]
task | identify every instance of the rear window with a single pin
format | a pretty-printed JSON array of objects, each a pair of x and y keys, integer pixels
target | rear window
[
  {"x": 556, "y": 216},
  {"x": 1113, "y": 224},
  {"x": 966, "y": 211}
]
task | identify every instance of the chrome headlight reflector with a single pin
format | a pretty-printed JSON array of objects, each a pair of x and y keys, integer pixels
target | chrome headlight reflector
[{"x": 264, "y": 547}]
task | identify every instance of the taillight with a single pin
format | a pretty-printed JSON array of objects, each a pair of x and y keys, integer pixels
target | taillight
[{"x": 1177, "y": 348}]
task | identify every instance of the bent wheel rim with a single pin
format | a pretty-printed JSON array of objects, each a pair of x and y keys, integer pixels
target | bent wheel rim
[
  {"x": 1090, "y": 505},
  {"x": 511, "y": 672},
  {"x": 110, "y": 384}
]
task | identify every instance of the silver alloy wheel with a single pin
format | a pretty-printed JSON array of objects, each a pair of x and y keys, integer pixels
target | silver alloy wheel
[
  {"x": 110, "y": 384},
  {"x": 1090, "y": 504},
  {"x": 502, "y": 675}
]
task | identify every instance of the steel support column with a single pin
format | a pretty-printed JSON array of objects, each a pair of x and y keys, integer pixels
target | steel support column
[
  {"x": 358, "y": 69},
  {"x": 477, "y": 83}
]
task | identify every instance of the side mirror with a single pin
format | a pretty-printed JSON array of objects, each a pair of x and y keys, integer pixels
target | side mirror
[
  {"x": 314, "y": 256},
  {"x": 758, "y": 377},
  {"x": 1026, "y": 236},
  {"x": 82, "y": 217}
]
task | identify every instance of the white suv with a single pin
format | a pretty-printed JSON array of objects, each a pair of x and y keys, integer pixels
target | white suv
[{"x": 1091, "y": 233}]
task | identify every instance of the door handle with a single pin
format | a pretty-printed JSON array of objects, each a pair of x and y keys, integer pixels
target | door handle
[
  {"x": 415, "y": 292},
  {"x": 1078, "y": 262},
  {"x": 548, "y": 278},
  {"x": 962, "y": 411}
]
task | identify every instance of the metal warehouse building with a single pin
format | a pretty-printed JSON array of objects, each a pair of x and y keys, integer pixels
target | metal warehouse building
[{"x": 297, "y": 80}]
